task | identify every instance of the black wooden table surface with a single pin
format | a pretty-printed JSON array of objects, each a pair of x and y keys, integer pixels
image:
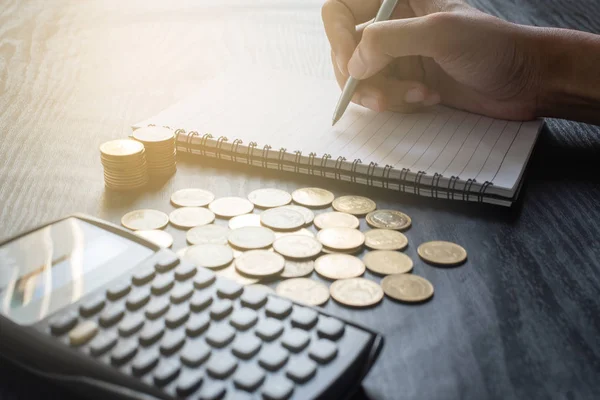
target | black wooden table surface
[{"x": 519, "y": 320}]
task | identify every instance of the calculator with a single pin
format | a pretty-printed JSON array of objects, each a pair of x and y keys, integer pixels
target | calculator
[{"x": 107, "y": 313}]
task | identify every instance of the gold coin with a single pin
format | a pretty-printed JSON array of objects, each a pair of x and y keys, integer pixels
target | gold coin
[
  {"x": 389, "y": 219},
  {"x": 304, "y": 290},
  {"x": 207, "y": 234},
  {"x": 339, "y": 266},
  {"x": 385, "y": 239},
  {"x": 301, "y": 231},
  {"x": 407, "y": 287},
  {"x": 282, "y": 219},
  {"x": 297, "y": 268},
  {"x": 160, "y": 238},
  {"x": 228, "y": 207},
  {"x": 121, "y": 148},
  {"x": 356, "y": 292},
  {"x": 308, "y": 215},
  {"x": 297, "y": 246},
  {"x": 230, "y": 272},
  {"x": 145, "y": 220},
  {"x": 269, "y": 197},
  {"x": 190, "y": 217},
  {"x": 260, "y": 263},
  {"x": 261, "y": 287},
  {"x": 153, "y": 134},
  {"x": 336, "y": 219},
  {"x": 209, "y": 255},
  {"x": 442, "y": 253},
  {"x": 341, "y": 238},
  {"x": 192, "y": 198},
  {"x": 313, "y": 197},
  {"x": 251, "y": 237},
  {"x": 355, "y": 205},
  {"x": 244, "y": 220},
  {"x": 387, "y": 262}
]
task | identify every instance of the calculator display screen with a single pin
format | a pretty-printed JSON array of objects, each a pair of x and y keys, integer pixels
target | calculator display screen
[{"x": 58, "y": 264}]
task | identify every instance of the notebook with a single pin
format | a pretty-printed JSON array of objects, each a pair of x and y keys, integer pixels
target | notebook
[{"x": 280, "y": 119}]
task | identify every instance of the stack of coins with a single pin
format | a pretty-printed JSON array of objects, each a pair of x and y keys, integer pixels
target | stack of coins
[
  {"x": 125, "y": 166},
  {"x": 160, "y": 150}
]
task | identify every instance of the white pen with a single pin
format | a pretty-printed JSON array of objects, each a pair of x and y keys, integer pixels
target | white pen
[{"x": 384, "y": 13}]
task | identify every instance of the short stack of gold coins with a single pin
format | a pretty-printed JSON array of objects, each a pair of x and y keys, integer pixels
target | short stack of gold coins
[
  {"x": 125, "y": 166},
  {"x": 160, "y": 150}
]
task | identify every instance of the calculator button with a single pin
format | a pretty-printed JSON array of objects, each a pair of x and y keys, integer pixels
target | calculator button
[
  {"x": 151, "y": 333},
  {"x": 304, "y": 318},
  {"x": 138, "y": 298},
  {"x": 171, "y": 342},
  {"x": 301, "y": 370},
  {"x": 204, "y": 278},
  {"x": 229, "y": 289},
  {"x": 189, "y": 383},
  {"x": 143, "y": 276},
  {"x": 166, "y": 372},
  {"x": 185, "y": 271},
  {"x": 162, "y": 284},
  {"x": 156, "y": 308},
  {"x": 63, "y": 323},
  {"x": 181, "y": 292},
  {"x": 273, "y": 357},
  {"x": 102, "y": 343},
  {"x": 177, "y": 316},
  {"x": 278, "y": 308},
  {"x": 166, "y": 262},
  {"x": 144, "y": 362},
  {"x": 269, "y": 329},
  {"x": 111, "y": 315},
  {"x": 277, "y": 388},
  {"x": 322, "y": 351},
  {"x": 295, "y": 340},
  {"x": 92, "y": 306},
  {"x": 243, "y": 318},
  {"x": 330, "y": 328},
  {"x": 213, "y": 391},
  {"x": 246, "y": 346},
  {"x": 131, "y": 324},
  {"x": 194, "y": 354},
  {"x": 197, "y": 324},
  {"x": 200, "y": 301},
  {"x": 222, "y": 366},
  {"x": 248, "y": 377},
  {"x": 221, "y": 308},
  {"x": 220, "y": 336},
  {"x": 123, "y": 352},
  {"x": 118, "y": 290},
  {"x": 82, "y": 333},
  {"x": 254, "y": 298}
]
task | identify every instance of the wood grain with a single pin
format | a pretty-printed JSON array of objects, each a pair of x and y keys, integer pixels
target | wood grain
[{"x": 518, "y": 320}]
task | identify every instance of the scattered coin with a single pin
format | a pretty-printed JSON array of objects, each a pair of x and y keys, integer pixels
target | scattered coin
[
  {"x": 387, "y": 262},
  {"x": 192, "y": 198},
  {"x": 258, "y": 286},
  {"x": 297, "y": 268},
  {"x": 282, "y": 219},
  {"x": 304, "y": 290},
  {"x": 251, "y": 237},
  {"x": 297, "y": 246},
  {"x": 244, "y": 220},
  {"x": 230, "y": 272},
  {"x": 301, "y": 231},
  {"x": 228, "y": 207},
  {"x": 355, "y": 205},
  {"x": 145, "y": 220},
  {"x": 442, "y": 253},
  {"x": 407, "y": 287},
  {"x": 336, "y": 219},
  {"x": 208, "y": 234},
  {"x": 181, "y": 252},
  {"x": 160, "y": 238},
  {"x": 327, "y": 250},
  {"x": 190, "y": 217},
  {"x": 341, "y": 238},
  {"x": 313, "y": 197},
  {"x": 260, "y": 263},
  {"x": 356, "y": 292},
  {"x": 269, "y": 198},
  {"x": 308, "y": 215},
  {"x": 385, "y": 239},
  {"x": 209, "y": 255},
  {"x": 339, "y": 266},
  {"x": 389, "y": 219}
]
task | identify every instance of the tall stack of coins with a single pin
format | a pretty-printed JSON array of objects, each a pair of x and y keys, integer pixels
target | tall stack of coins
[
  {"x": 160, "y": 150},
  {"x": 125, "y": 166}
]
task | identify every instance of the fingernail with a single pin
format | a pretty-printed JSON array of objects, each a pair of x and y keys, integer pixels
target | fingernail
[
  {"x": 370, "y": 102},
  {"x": 414, "y": 95},
  {"x": 432, "y": 99},
  {"x": 356, "y": 66}
]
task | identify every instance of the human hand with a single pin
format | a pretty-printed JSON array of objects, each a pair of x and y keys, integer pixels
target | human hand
[{"x": 432, "y": 51}]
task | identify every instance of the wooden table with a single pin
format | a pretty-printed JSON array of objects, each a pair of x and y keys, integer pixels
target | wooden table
[{"x": 518, "y": 320}]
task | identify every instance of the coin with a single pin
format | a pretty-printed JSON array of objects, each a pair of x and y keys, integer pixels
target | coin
[
  {"x": 156, "y": 236},
  {"x": 442, "y": 253},
  {"x": 244, "y": 220},
  {"x": 251, "y": 237},
  {"x": 308, "y": 215},
  {"x": 336, "y": 219},
  {"x": 339, "y": 266},
  {"x": 230, "y": 272},
  {"x": 145, "y": 220},
  {"x": 121, "y": 148},
  {"x": 387, "y": 262},
  {"x": 153, "y": 134},
  {"x": 355, "y": 205},
  {"x": 341, "y": 238},
  {"x": 304, "y": 290},
  {"x": 190, "y": 217},
  {"x": 356, "y": 292},
  {"x": 313, "y": 197},
  {"x": 388, "y": 219},
  {"x": 192, "y": 198},
  {"x": 327, "y": 250},
  {"x": 297, "y": 246},
  {"x": 261, "y": 287},
  {"x": 269, "y": 197},
  {"x": 181, "y": 252},
  {"x": 228, "y": 207},
  {"x": 207, "y": 234},
  {"x": 209, "y": 255},
  {"x": 297, "y": 268},
  {"x": 261, "y": 263},
  {"x": 385, "y": 239},
  {"x": 407, "y": 287},
  {"x": 301, "y": 231},
  {"x": 282, "y": 219}
]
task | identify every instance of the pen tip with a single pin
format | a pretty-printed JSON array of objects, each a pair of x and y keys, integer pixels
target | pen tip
[{"x": 333, "y": 121}]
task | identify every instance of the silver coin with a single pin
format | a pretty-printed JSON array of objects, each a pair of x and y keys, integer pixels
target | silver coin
[
  {"x": 251, "y": 237},
  {"x": 269, "y": 197},
  {"x": 208, "y": 234},
  {"x": 282, "y": 219}
]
